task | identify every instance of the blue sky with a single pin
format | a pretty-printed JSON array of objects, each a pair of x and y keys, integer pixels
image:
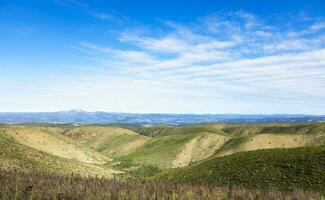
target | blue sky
[{"x": 252, "y": 56}]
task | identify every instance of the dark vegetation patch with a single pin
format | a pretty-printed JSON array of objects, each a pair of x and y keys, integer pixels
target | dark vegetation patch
[
  {"x": 155, "y": 130},
  {"x": 285, "y": 169}
]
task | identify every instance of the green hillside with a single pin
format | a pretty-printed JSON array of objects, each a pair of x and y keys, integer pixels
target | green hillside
[
  {"x": 170, "y": 147},
  {"x": 248, "y": 137},
  {"x": 158, "y": 152},
  {"x": 144, "y": 151},
  {"x": 112, "y": 141},
  {"x": 19, "y": 157},
  {"x": 280, "y": 168},
  {"x": 53, "y": 143},
  {"x": 177, "y": 146}
]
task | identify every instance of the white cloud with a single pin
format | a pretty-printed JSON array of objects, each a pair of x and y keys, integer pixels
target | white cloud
[
  {"x": 102, "y": 16},
  {"x": 318, "y": 26},
  {"x": 254, "y": 57},
  {"x": 233, "y": 62},
  {"x": 86, "y": 8}
]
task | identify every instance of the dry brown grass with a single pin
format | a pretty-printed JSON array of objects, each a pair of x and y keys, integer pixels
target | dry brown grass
[
  {"x": 270, "y": 141},
  {"x": 112, "y": 141},
  {"x": 54, "y": 144},
  {"x": 199, "y": 148},
  {"x": 48, "y": 186}
]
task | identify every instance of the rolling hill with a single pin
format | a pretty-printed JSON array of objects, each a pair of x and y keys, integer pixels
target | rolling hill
[
  {"x": 25, "y": 148},
  {"x": 109, "y": 140},
  {"x": 53, "y": 143},
  {"x": 284, "y": 169},
  {"x": 177, "y": 146},
  {"x": 128, "y": 150}
]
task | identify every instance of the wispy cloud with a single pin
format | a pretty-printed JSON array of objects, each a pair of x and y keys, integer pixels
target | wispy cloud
[
  {"x": 233, "y": 55},
  {"x": 225, "y": 62},
  {"x": 102, "y": 16},
  {"x": 74, "y": 3},
  {"x": 84, "y": 7},
  {"x": 318, "y": 26}
]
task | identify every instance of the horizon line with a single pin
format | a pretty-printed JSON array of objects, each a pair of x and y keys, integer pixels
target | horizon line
[{"x": 158, "y": 113}]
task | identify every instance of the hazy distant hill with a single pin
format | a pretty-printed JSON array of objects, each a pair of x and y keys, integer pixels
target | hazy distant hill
[{"x": 83, "y": 117}]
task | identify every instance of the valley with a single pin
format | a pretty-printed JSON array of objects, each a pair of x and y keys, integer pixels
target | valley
[{"x": 264, "y": 161}]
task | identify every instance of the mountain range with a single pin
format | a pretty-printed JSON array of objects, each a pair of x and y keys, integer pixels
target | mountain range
[{"x": 99, "y": 117}]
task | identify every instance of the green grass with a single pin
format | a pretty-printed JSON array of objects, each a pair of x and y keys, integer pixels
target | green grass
[
  {"x": 143, "y": 171},
  {"x": 232, "y": 143},
  {"x": 284, "y": 169},
  {"x": 163, "y": 130},
  {"x": 158, "y": 152},
  {"x": 115, "y": 142},
  {"x": 15, "y": 156},
  {"x": 167, "y": 141},
  {"x": 18, "y": 157},
  {"x": 274, "y": 128},
  {"x": 154, "y": 130}
]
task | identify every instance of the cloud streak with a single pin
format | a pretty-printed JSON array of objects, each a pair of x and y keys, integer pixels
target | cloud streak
[
  {"x": 92, "y": 12},
  {"x": 225, "y": 62},
  {"x": 237, "y": 54}
]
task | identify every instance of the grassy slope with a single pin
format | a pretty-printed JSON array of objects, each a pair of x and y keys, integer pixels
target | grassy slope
[
  {"x": 239, "y": 138},
  {"x": 248, "y": 137},
  {"x": 172, "y": 146},
  {"x": 112, "y": 141},
  {"x": 275, "y": 128},
  {"x": 281, "y": 168},
  {"x": 159, "y": 151},
  {"x": 181, "y": 130},
  {"x": 15, "y": 156},
  {"x": 53, "y": 143},
  {"x": 203, "y": 146},
  {"x": 162, "y": 147}
]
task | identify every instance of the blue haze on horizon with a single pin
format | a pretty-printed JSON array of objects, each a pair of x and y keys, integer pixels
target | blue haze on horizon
[{"x": 245, "y": 57}]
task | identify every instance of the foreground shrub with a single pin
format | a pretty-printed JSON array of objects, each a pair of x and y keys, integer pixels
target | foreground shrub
[{"x": 15, "y": 185}]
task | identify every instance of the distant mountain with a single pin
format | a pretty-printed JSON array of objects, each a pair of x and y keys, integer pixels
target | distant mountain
[{"x": 83, "y": 117}]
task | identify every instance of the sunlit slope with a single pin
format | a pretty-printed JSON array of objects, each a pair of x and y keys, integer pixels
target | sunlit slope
[
  {"x": 276, "y": 128},
  {"x": 285, "y": 169},
  {"x": 177, "y": 146},
  {"x": 180, "y": 130},
  {"x": 172, "y": 146},
  {"x": 52, "y": 143},
  {"x": 267, "y": 136},
  {"x": 200, "y": 147},
  {"x": 111, "y": 141},
  {"x": 160, "y": 147},
  {"x": 16, "y": 156}
]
